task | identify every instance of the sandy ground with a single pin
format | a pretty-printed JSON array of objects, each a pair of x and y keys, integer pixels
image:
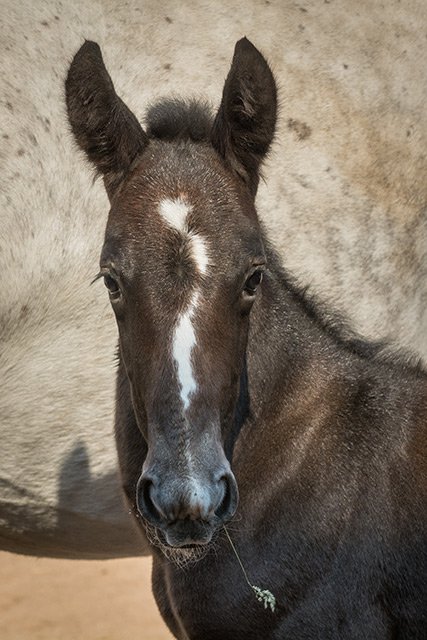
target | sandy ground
[{"x": 43, "y": 599}]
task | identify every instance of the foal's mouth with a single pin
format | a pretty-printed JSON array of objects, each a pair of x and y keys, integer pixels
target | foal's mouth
[
  {"x": 182, "y": 555},
  {"x": 194, "y": 545},
  {"x": 185, "y": 534}
]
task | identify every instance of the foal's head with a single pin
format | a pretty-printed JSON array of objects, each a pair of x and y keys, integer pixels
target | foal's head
[{"x": 182, "y": 261}]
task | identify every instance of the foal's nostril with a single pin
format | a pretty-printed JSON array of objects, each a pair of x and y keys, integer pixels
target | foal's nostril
[
  {"x": 228, "y": 504},
  {"x": 145, "y": 503}
]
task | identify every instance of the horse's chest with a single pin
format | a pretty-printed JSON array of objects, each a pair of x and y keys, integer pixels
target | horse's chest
[
  {"x": 214, "y": 604},
  {"x": 319, "y": 594}
]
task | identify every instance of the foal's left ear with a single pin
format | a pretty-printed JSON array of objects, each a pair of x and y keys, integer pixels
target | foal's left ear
[
  {"x": 244, "y": 126},
  {"x": 102, "y": 124}
]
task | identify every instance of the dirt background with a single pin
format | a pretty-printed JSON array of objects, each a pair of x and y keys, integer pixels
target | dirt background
[{"x": 44, "y": 599}]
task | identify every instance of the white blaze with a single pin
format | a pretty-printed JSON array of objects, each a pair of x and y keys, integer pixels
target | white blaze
[
  {"x": 184, "y": 341},
  {"x": 175, "y": 213}
]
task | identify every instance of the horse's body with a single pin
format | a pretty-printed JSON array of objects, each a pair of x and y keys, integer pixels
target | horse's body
[
  {"x": 345, "y": 202},
  {"x": 238, "y": 400}
]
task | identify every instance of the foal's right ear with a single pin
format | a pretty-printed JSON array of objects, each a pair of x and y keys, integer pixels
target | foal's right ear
[{"x": 102, "y": 124}]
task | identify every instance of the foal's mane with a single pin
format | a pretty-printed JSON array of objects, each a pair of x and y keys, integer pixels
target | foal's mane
[{"x": 325, "y": 316}]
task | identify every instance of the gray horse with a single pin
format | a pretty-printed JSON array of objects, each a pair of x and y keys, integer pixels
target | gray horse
[{"x": 348, "y": 177}]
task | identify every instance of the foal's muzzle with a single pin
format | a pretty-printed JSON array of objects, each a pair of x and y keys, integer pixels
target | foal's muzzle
[{"x": 187, "y": 510}]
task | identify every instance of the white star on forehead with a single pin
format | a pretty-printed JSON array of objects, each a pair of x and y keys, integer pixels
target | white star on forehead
[
  {"x": 199, "y": 252},
  {"x": 175, "y": 213}
]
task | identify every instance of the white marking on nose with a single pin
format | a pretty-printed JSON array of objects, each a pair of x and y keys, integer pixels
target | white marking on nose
[
  {"x": 184, "y": 341},
  {"x": 175, "y": 213},
  {"x": 198, "y": 495}
]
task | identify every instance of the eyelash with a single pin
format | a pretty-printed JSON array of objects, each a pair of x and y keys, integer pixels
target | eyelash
[{"x": 111, "y": 284}]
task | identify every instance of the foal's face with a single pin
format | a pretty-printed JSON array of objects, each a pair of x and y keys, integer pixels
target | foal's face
[{"x": 182, "y": 261}]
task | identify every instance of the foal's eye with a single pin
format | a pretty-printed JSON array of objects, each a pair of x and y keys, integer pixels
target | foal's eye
[
  {"x": 252, "y": 282},
  {"x": 112, "y": 286}
]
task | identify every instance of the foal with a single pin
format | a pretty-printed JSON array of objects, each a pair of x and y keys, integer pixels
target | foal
[{"x": 237, "y": 398}]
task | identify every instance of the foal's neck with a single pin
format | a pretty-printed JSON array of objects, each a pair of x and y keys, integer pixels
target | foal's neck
[{"x": 293, "y": 353}]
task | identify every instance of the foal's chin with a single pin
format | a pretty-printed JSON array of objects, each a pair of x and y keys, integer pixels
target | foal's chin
[{"x": 181, "y": 549}]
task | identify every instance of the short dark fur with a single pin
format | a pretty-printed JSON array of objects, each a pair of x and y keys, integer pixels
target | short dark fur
[
  {"x": 326, "y": 432},
  {"x": 176, "y": 119}
]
